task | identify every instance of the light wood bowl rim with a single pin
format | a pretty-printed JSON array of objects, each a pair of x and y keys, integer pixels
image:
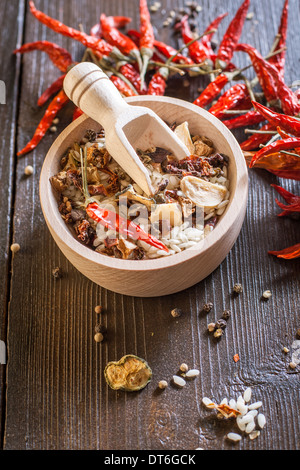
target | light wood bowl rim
[{"x": 231, "y": 216}]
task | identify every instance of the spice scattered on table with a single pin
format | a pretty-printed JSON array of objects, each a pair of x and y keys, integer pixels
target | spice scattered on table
[
  {"x": 98, "y": 309},
  {"x": 98, "y": 337},
  {"x": 237, "y": 288},
  {"x": 184, "y": 367},
  {"x": 57, "y": 273},
  {"x": 226, "y": 314},
  {"x": 242, "y": 411},
  {"x": 236, "y": 358},
  {"x": 15, "y": 247},
  {"x": 162, "y": 384},
  {"x": 267, "y": 294},
  {"x": 211, "y": 327},
  {"x": 207, "y": 307},
  {"x": 176, "y": 312},
  {"x": 28, "y": 170}
]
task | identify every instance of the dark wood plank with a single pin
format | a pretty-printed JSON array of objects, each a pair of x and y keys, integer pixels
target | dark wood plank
[
  {"x": 57, "y": 397},
  {"x": 11, "y": 25}
]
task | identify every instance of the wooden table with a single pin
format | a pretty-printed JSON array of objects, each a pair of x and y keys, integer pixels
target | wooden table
[{"x": 53, "y": 392}]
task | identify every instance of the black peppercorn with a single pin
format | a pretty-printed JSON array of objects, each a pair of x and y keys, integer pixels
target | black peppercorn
[
  {"x": 207, "y": 307},
  {"x": 226, "y": 314},
  {"x": 176, "y": 312},
  {"x": 221, "y": 324},
  {"x": 90, "y": 135}
]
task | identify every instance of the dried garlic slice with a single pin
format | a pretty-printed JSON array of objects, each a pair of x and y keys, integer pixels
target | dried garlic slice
[
  {"x": 170, "y": 212},
  {"x": 202, "y": 193},
  {"x": 183, "y": 133}
]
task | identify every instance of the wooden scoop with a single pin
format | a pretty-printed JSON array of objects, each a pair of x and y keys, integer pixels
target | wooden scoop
[{"x": 126, "y": 127}]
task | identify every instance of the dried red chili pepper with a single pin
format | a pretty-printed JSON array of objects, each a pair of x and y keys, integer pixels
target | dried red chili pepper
[
  {"x": 158, "y": 82},
  {"x": 165, "y": 49},
  {"x": 287, "y": 123},
  {"x": 280, "y": 164},
  {"x": 292, "y": 200},
  {"x": 288, "y": 174},
  {"x": 125, "y": 227},
  {"x": 51, "y": 90},
  {"x": 257, "y": 139},
  {"x": 77, "y": 113},
  {"x": 248, "y": 119},
  {"x": 56, "y": 105},
  {"x": 212, "y": 90},
  {"x": 116, "y": 22},
  {"x": 265, "y": 79},
  {"x": 291, "y": 252},
  {"x": 197, "y": 50},
  {"x": 279, "y": 59},
  {"x": 123, "y": 88},
  {"x": 60, "y": 57},
  {"x": 147, "y": 37},
  {"x": 271, "y": 82},
  {"x": 115, "y": 38},
  {"x": 98, "y": 45},
  {"x": 231, "y": 98},
  {"x": 232, "y": 35},
  {"x": 275, "y": 147},
  {"x": 129, "y": 72},
  {"x": 206, "y": 40}
]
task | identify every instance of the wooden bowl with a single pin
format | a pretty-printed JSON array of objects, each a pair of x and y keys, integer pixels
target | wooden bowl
[{"x": 154, "y": 277}]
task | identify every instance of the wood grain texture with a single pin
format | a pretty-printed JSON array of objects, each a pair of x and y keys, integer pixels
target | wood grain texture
[
  {"x": 11, "y": 25},
  {"x": 57, "y": 397}
]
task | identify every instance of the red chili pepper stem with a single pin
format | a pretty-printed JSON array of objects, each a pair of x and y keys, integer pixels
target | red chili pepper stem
[{"x": 170, "y": 59}]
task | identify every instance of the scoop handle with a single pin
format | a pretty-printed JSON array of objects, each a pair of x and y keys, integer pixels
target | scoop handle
[{"x": 91, "y": 90}]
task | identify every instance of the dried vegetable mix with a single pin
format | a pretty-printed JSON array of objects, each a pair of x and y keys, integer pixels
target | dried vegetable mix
[
  {"x": 137, "y": 62},
  {"x": 107, "y": 211}
]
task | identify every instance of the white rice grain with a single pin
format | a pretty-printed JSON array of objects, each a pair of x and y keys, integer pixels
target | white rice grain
[
  {"x": 232, "y": 436},
  {"x": 255, "y": 405},
  {"x": 250, "y": 427},
  {"x": 247, "y": 394},
  {"x": 261, "y": 420},
  {"x": 192, "y": 373},
  {"x": 179, "y": 381}
]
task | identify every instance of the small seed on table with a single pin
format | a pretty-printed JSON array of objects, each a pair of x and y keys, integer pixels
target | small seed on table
[
  {"x": 162, "y": 384},
  {"x": 267, "y": 294},
  {"x": 176, "y": 312},
  {"x": 211, "y": 327},
  {"x": 184, "y": 367},
  {"x": 28, "y": 170},
  {"x": 98, "y": 309},
  {"x": 15, "y": 247},
  {"x": 226, "y": 314},
  {"x": 98, "y": 337},
  {"x": 218, "y": 333},
  {"x": 237, "y": 288},
  {"x": 207, "y": 307}
]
